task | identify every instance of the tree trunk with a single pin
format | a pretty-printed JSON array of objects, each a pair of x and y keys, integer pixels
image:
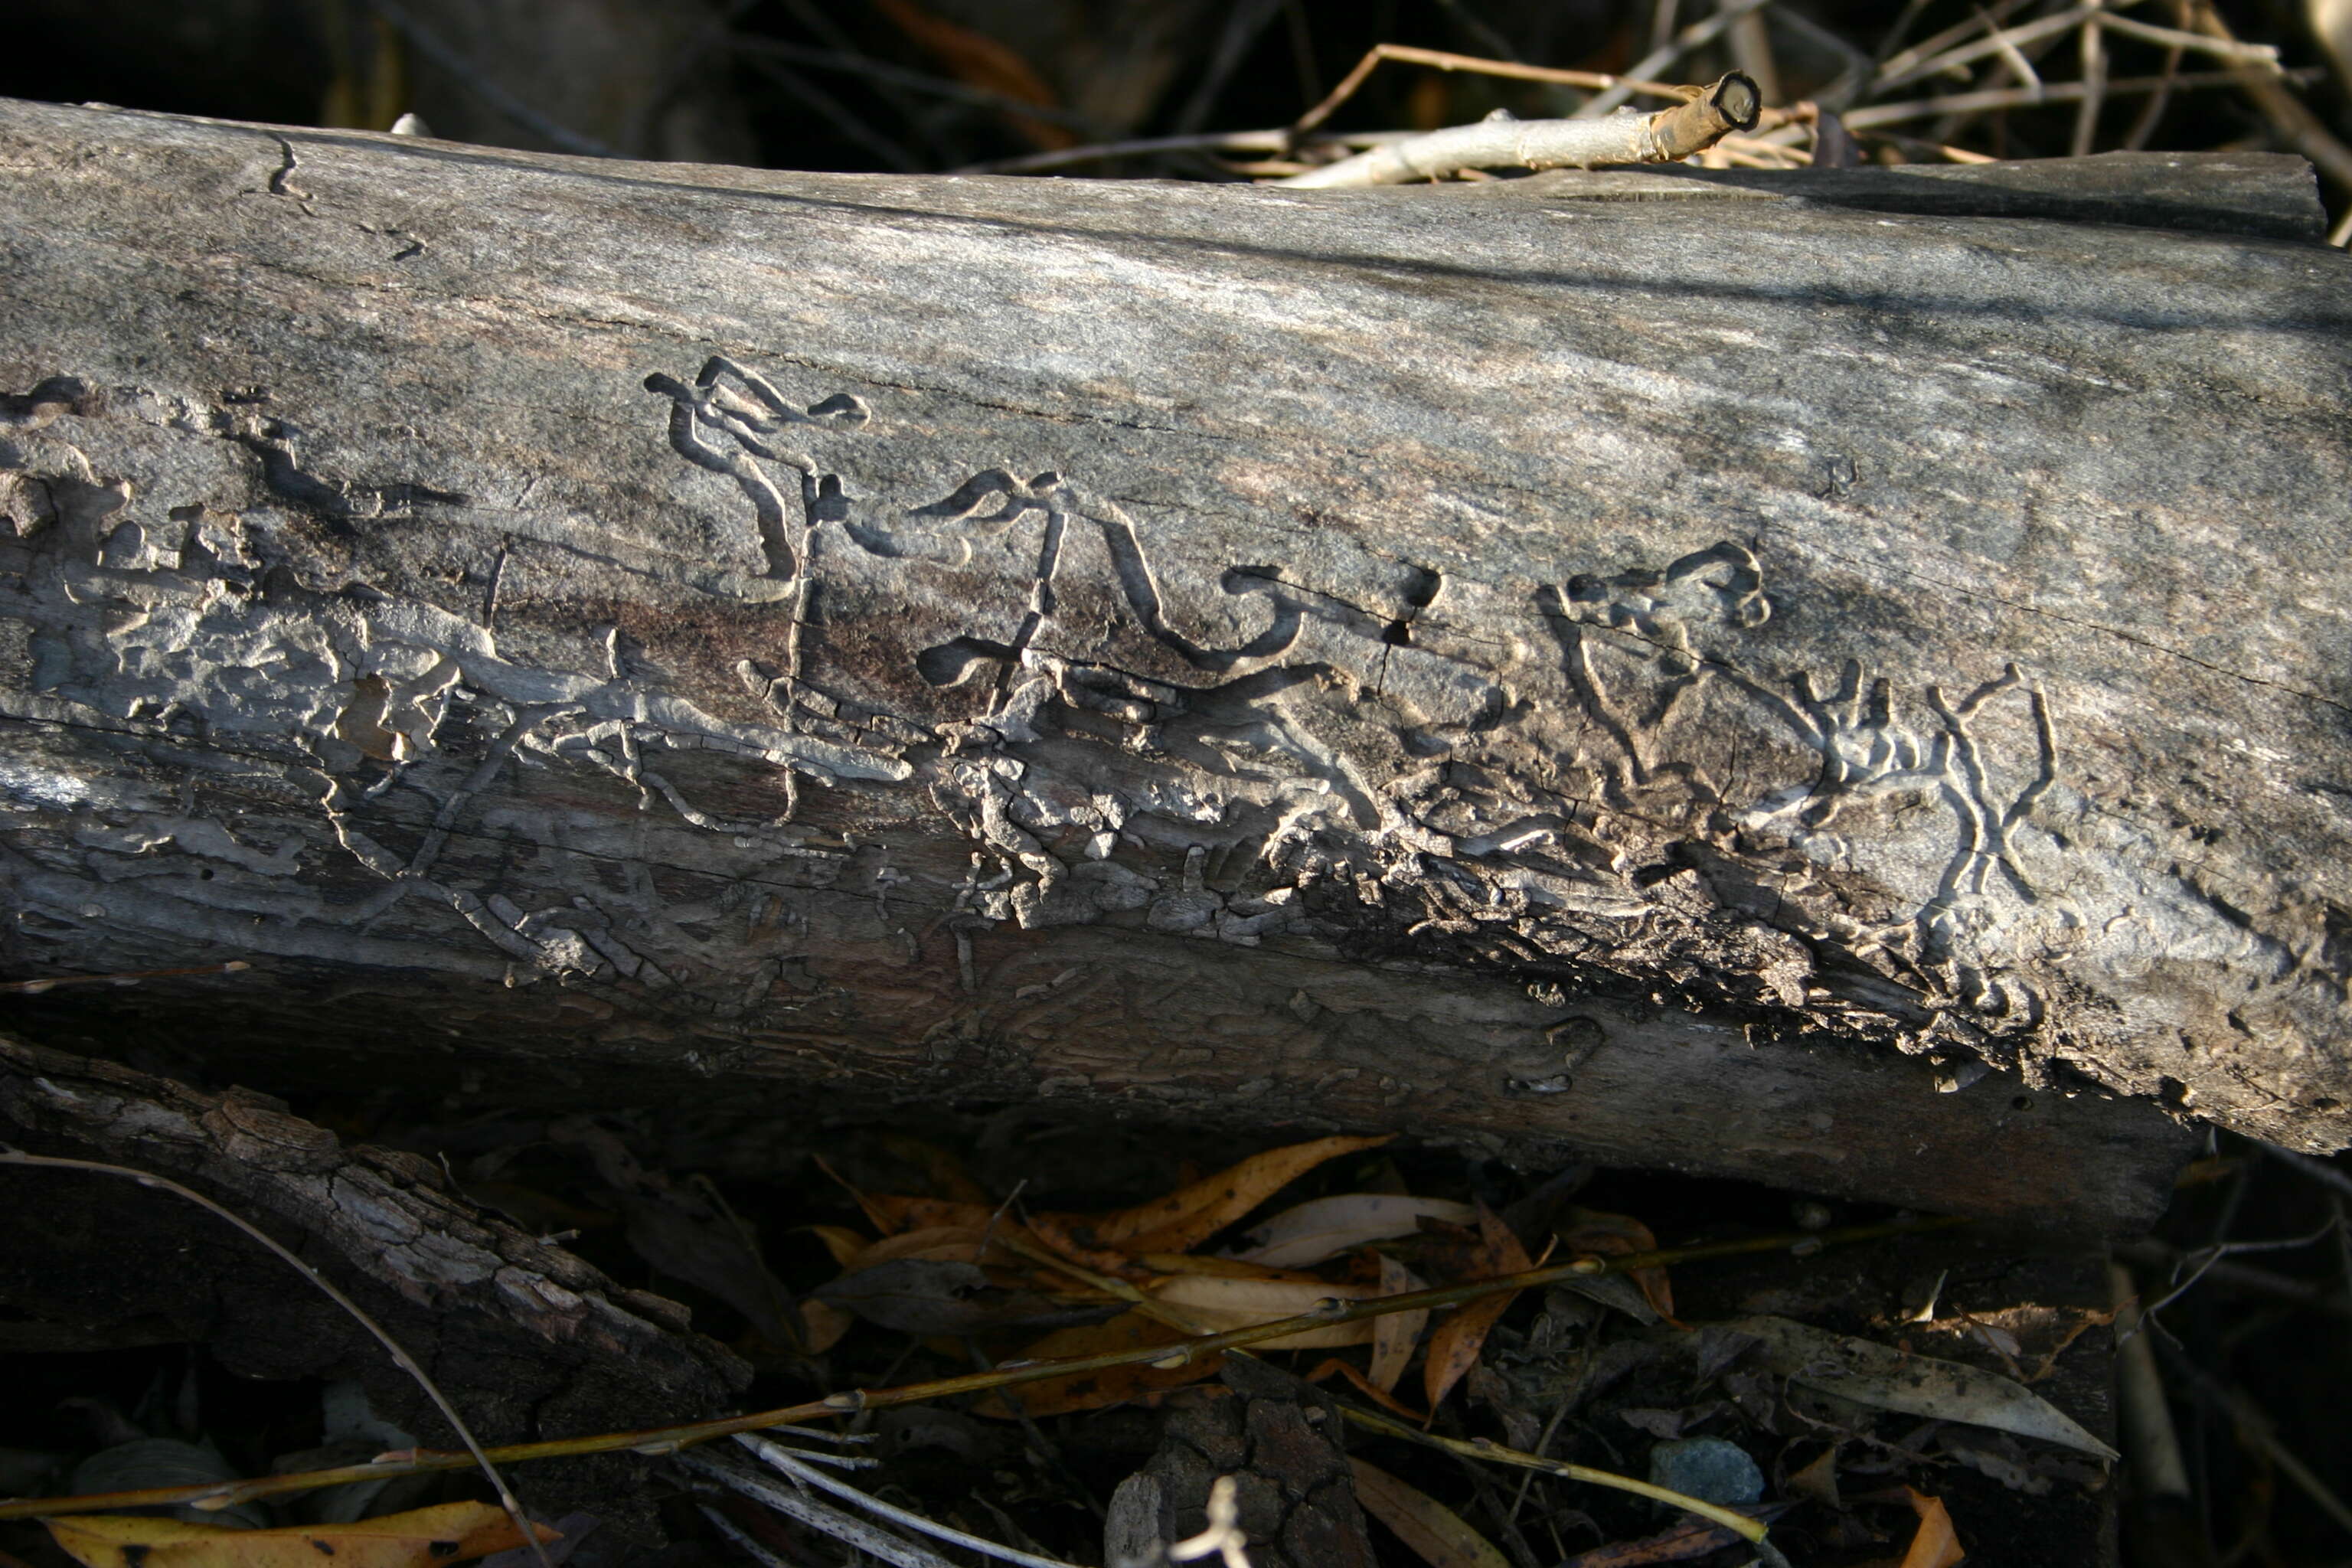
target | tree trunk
[{"x": 1537, "y": 664}]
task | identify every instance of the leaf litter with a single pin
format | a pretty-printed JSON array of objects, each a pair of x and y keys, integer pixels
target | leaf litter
[{"x": 1591, "y": 1370}]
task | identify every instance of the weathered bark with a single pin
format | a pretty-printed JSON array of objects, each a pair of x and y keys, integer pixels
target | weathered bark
[
  {"x": 528, "y": 1340},
  {"x": 1678, "y": 680}
]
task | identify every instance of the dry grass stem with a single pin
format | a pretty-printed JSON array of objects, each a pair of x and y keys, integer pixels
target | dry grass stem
[
  {"x": 671, "y": 1439},
  {"x": 400, "y": 1356}
]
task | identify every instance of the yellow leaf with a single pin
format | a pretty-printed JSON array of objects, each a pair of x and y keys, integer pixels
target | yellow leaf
[
  {"x": 1435, "y": 1531},
  {"x": 1193, "y": 1214},
  {"x": 421, "y": 1538},
  {"x": 1935, "y": 1545},
  {"x": 1215, "y": 1303}
]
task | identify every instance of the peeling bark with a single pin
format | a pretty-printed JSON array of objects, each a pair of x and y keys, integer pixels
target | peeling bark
[{"x": 1677, "y": 670}]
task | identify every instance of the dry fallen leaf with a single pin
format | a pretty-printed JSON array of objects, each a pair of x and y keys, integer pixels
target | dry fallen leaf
[
  {"x": 1935, "y": 1545},
  {"x": 843, "y": 1243},
  {"x": 1332, "y": 1366},
  {"x": 1191, "y": 1214},
  {"x": 1454, "y": 1347},
  {"x": 1435, "y": 1533},
  {"x": 422, "y": 1538},
  {"x": 1680, "y": 1542},
  {"x": 822, "y": 1324},
  {"x": 1109, "y": 1385},
  {"x": 1818, "y": 1482},
  {"x": 925, "y": 1295},
  {"x": 1885, "y": 1378},
  {"x": 1591, "y": 1233},
  {"x": 1322, "y": 1228},
  {"x": 1394, "y": 1336},
  {"x": 1215, "y": 1304}
]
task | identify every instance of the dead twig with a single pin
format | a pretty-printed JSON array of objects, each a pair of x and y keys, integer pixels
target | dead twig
[
  {"x": 2254, "y": 1426},
  {"x": 1751, "y": 1530},
  {"x": 2091, "y": 46},
  {"x": 792, "y": 1465},
  {"x": 2027, "y": 98},
  {"x": 1695, "y": 35},
  {"x": 1438, "y": 60},
  {"x": 1244, "y": 23},
  {"x": 822, "y": 1517},
  {"x": 2009, "y": 39},
  {"x": 1730, "y": 104},
  {"x": 858, "y": 65},
  {"x": 2151, "y": 113},
  {"x": 406, "y": 1363}
]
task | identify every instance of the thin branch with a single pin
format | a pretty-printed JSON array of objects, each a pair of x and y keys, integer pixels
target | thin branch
[
  {"x": 2319, "y": 1171},
  {"x": 1244, "y": 23},
  {"x": 2151, "y": 113},
  {"x": 1731, "y": 104},
  {"x": 1751, "y": 1530},
  {"x": 822, "y": 1517},
  {"x": 1649, "y": 65},
  {"x": 2021, "y": 67},
  {"x": 2093, "y": 52},
  {"x": 671, "y": 1439},
  {"x": 2026, "y": 98},
  {"x": 1950, "y": 154},
  {"x": 1438, "y": 60},
  {"x": 1750, "y": 42},
  {"x": 913, "y": 80},
  {"x": 2288, "y": 115},
  {"x": 2250, "y": 1420},
  {"x": 1891, "y": 63},
  {"x": 839, "y": 115},
  {"x": 406, "y": 1363},
  {"x": 1232, "y": 142}
]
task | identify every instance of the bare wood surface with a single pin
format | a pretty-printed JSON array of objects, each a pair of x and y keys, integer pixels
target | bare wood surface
[{"x": 1679, "y": 681}]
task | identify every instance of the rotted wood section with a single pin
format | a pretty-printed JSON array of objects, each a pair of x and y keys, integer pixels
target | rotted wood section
[{"x": 1838, "y": 683}]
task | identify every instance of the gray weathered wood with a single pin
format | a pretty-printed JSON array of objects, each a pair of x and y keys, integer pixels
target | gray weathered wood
[{"x": 1682, "y": 681}]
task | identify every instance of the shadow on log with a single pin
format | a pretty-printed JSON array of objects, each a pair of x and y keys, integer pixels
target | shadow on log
[{"x": 1688, "y": 672}]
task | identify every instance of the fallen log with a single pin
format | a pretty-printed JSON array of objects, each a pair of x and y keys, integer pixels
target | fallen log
[
  {"x": 1675, "y": 669},
  {"x": 530, "y": 1341}
]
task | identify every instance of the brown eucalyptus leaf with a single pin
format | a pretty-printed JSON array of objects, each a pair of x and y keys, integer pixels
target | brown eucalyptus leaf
[
  {"x": 1438, "y": 1536},
  {"x": 1454, "y": 1347},
  {"x": 1191, "y": 1214}
]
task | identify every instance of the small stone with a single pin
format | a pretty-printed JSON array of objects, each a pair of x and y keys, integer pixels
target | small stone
[{"x": 1708, "y": 1468}]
